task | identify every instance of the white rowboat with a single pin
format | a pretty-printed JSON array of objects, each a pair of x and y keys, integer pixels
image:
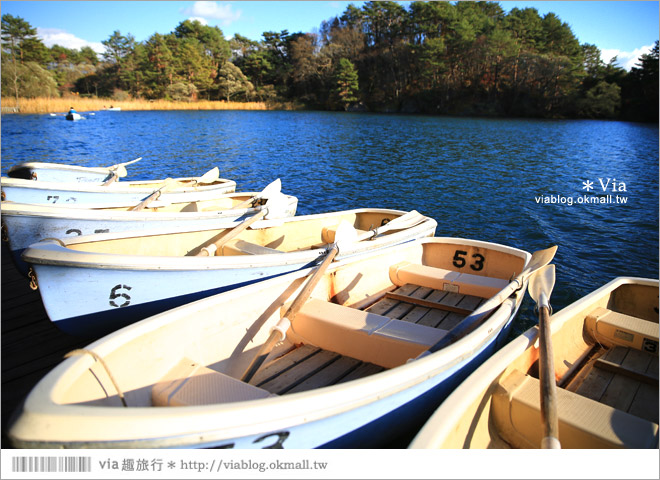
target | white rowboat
[
  {"x": 57, "y": 172},
  {"x": 24, "y": 223},
  {"x": 127, "y": 276},
  {"x": 606, "y": 368},
  {"x": 348, "y": 369},
  {"x": 176, "y": 190}
]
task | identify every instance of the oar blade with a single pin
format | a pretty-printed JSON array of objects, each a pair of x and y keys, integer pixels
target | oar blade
[
  {"x": 121, "y": 171},
  {"x": 210, "y": 176},
  {"x": 278, "y": 206},
  {"x": 542, "y": 283},
  {"x": 540, "y": 258},
  {"x": 272, "y": 188},
  {"x": 346, "y": 234},
  {"x": 407, "y": 220}
]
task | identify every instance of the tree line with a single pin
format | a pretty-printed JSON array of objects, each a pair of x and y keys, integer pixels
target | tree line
[{"x": 462, "y": 58}]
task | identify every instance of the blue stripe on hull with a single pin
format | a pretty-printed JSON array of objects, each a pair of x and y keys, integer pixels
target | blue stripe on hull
[{"x": 101, "y": 323}]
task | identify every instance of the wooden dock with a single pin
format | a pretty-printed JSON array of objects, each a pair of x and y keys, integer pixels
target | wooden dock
[{"x": 31, "y": 344}]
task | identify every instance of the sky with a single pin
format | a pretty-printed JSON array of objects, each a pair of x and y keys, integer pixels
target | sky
[{"x": 625, "y": 29}]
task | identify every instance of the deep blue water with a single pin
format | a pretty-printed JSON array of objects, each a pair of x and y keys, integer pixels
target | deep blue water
[{"x": 479, "y": 178}]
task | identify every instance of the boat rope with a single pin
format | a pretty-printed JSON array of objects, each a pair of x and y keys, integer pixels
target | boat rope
[
  {"x": 34, "y": 285},
  {"x": 81, "y": 351}
]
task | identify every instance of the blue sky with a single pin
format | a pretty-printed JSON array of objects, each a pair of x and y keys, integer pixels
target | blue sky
[{"x": 622, "y": 28}]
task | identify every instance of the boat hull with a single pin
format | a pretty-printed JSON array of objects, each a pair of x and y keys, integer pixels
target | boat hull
[
  {"x": 120, "y": 288},
  {"x": 53, "y": 172},
  {"x": 28, "y": 224},
  {"x": 347, "y": 414},
  {"x": 26, "y": 191}
]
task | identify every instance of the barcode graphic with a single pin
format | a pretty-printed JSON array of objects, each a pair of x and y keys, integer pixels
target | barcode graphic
[{"x": 51, "y": 464}]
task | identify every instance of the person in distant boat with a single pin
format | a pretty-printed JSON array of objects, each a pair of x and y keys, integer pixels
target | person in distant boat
[{"x": 71, "y": 110}]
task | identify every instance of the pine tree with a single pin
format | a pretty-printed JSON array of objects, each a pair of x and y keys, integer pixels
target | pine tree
[{"x": 346, "y": 85}]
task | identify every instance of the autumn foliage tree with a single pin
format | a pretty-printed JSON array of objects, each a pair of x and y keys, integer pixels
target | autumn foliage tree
[{"x": 459, "y": 58}]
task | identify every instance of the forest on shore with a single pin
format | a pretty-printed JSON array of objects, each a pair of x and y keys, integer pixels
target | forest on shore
[{"x": 461, "y": 58}]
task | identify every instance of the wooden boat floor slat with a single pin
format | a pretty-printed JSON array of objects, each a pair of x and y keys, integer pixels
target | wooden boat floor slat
[
  {"x": 439, "y": 315},
  {"x": 308, "y": 367},
  {"x": 623, "y": 378}
]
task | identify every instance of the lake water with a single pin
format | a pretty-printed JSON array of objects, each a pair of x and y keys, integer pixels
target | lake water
[{"x": 517, "y": 182}]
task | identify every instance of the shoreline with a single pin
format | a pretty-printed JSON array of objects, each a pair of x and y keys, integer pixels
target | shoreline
[{"x": 82, "y": 105}]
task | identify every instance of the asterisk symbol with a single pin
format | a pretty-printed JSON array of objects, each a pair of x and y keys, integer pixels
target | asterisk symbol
[
  {"x": 171, "y": 464},
  {"x": 588, "y": 185}
]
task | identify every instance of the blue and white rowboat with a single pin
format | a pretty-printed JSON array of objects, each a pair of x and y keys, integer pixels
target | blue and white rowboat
[
  {"x": 24, "y": 223},
  {"x": 127, "y": 276},
  {"x": 348, "y": 367}
]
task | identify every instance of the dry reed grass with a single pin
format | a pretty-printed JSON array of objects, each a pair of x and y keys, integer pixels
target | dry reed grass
[{"x": 61, "y": 105}]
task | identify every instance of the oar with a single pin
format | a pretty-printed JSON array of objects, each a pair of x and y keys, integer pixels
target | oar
[
  {"x": 539, "y": 259},
  {"x": 209, "y": 177},
  {"x": 275, "y": 207},
  {"x": 272, "y": 188},
  {"x": 119, "y": 171},
  {"x": 407, "y": 220},
  {"x": 153, "y": 196},
  {"x": 345, "y": 234},
  {"x": 120, "y": 168},
  {"x": 540, "y": 288}
]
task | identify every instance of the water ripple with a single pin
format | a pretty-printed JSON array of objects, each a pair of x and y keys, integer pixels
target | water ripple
[{"x": 479, "y": 178}]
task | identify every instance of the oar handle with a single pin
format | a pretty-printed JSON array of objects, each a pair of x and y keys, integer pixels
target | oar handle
[
  {"x": 114, "y": 177},
  {"x": 302, "y": 298},
  {"x": 233, "y": 233},
  {"x": 548, "y": 383},
  {"x": 247, "y": 202},
  {"x": 279, "y": 331},
  {"x": 277, "y": 334},
  {"x": 140, "y": 206}
]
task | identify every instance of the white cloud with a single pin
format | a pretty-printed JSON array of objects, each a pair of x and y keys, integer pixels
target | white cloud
[
  {"x": 55, "y": 36},
  {"x": 214, "y": 11},
  {"x": 201, "y": 20},
  {"x": 625, "y": 60}
]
